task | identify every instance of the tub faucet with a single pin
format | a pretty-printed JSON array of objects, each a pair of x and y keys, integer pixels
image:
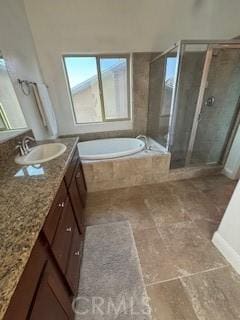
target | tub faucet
[
  {"x": 144, "y": 138},
  {"x": 24, "y": 144}
]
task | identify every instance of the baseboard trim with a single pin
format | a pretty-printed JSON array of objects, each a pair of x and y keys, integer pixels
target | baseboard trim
[{"x": 227, "y": 251}]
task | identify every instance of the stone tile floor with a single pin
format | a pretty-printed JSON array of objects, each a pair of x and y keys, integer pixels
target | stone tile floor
[{"x": 173, "y": 223}]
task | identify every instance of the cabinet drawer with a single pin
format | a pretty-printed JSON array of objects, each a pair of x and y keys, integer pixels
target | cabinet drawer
[
  {"x": 55, "y": 213},
  {"x": 74, "y": 261},
  {"x": 71, "y": 167},
  {"x": 63, "y": 238}
]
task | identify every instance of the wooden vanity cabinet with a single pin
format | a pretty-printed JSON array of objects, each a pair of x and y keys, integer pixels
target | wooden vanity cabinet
[
  {"x": 67, "y": 247},
  {"x": 51, "y": 276},
  {"x": 67, "y": 243}
]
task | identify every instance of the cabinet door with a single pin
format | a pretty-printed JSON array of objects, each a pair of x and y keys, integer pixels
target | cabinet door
[
  {"x": 51, "y": 223},
  {"x": 63, "y": 238},
  {"x": 77, "y": 204},
  {"x": 74, "y": 261},
  {"x": 27, "y": 286},
  {"x": 52, "y": 300},
  {"x": 72, "y": 167},
  {"x": 81, "y": 183}
]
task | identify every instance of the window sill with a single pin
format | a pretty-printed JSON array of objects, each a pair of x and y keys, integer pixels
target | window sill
[{"x": 103, "y": 126}]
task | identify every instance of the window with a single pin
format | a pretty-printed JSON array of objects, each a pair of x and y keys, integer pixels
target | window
[{"x": 99, "y": 87}]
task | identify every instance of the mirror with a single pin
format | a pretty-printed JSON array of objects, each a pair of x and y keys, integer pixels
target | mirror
[{"x": 12, "y": 121}]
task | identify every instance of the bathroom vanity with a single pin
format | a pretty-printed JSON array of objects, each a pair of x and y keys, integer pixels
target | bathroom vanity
[{"x": 42, "y": 250}]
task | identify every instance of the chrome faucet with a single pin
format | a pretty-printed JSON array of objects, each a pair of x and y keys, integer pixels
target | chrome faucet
[
  {"x": 141, "y": 136},
  {"x": 23, "y": 145}
]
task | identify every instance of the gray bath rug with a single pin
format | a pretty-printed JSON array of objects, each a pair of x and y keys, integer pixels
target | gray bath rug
[{"x": 111, "y": 283}]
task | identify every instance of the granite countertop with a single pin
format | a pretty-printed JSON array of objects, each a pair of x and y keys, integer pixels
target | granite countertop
[{"x": 26, "y": 195}]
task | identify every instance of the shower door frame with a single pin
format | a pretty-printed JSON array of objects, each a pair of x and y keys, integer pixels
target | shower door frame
[
  {"x": 172, "y": 117},
  {"x": 204, "y": 81},
  {"x": 172, "y": 114}
]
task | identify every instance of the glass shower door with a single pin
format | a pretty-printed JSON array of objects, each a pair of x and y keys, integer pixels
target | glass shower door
[
  {"x": 163, "y": 72},
  {"x": 218, "y": 105},
  {"x": 189, "y": 82}
]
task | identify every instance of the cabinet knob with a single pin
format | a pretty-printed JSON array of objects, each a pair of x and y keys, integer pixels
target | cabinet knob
[
  {"x": 77, "y": 253},
  {"x": 61, "y": 204},
  {"x": 69, "y": 229}
]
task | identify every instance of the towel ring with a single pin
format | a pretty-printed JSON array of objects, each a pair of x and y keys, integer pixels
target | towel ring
[{"x": 25, "y": 86}]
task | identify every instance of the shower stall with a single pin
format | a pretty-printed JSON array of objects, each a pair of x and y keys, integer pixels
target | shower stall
[{"x": 194, "y": 91}]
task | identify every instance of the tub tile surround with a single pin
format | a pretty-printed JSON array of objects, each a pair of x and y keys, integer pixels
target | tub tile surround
[
  {"x": 173, "y": 223},
  {"x": 138, "y": 169},
  {"x": 145, "y": 167}
]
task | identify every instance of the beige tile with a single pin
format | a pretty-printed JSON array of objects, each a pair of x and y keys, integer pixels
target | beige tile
[
  {"x": 136, "y": 212},
  {"x": 214, "y": 295},
  {"x": 191, "y": 250},
  {"x": 88, "y": 172},
  {"x": 207, "y": 227},
  {"x": 168, "y": 301},
  {"x": 221, "y": 195},
  {"x": 181, "y": 188},
  {"x": 159, "y": 191},
  {"x": 156, "y": 261},
  {"x": 103, "y": 170},
  {"x": 166, "y": 209},
  {"x": 102, "y": 214},
  {"x": 123, "y": 168},
  {"x": 198, "y": 206},
  {"x": 117, "y": 196},
  {"x": 212, "y": 182},
  {"x": 161, "y": 163},
  {"x": 190, "y": 172},
  {"x": 133, "y": 209},
  {"x": 101, "y": 197}
]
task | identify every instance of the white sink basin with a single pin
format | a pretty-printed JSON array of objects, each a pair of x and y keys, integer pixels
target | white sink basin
[{"x": 41, "y": 153}]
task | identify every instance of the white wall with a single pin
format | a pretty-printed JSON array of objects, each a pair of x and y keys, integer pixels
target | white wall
[
  {"x": 227, "y": 237},
  {"x": 17, "y": 48},
  {"x": 107, "y": 26}
]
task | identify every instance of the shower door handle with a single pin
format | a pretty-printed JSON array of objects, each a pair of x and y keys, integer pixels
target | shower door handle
[{"x": 210, "y": 101}]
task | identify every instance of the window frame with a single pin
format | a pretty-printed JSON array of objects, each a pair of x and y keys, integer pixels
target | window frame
[{"x": 100, "y": 86}]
